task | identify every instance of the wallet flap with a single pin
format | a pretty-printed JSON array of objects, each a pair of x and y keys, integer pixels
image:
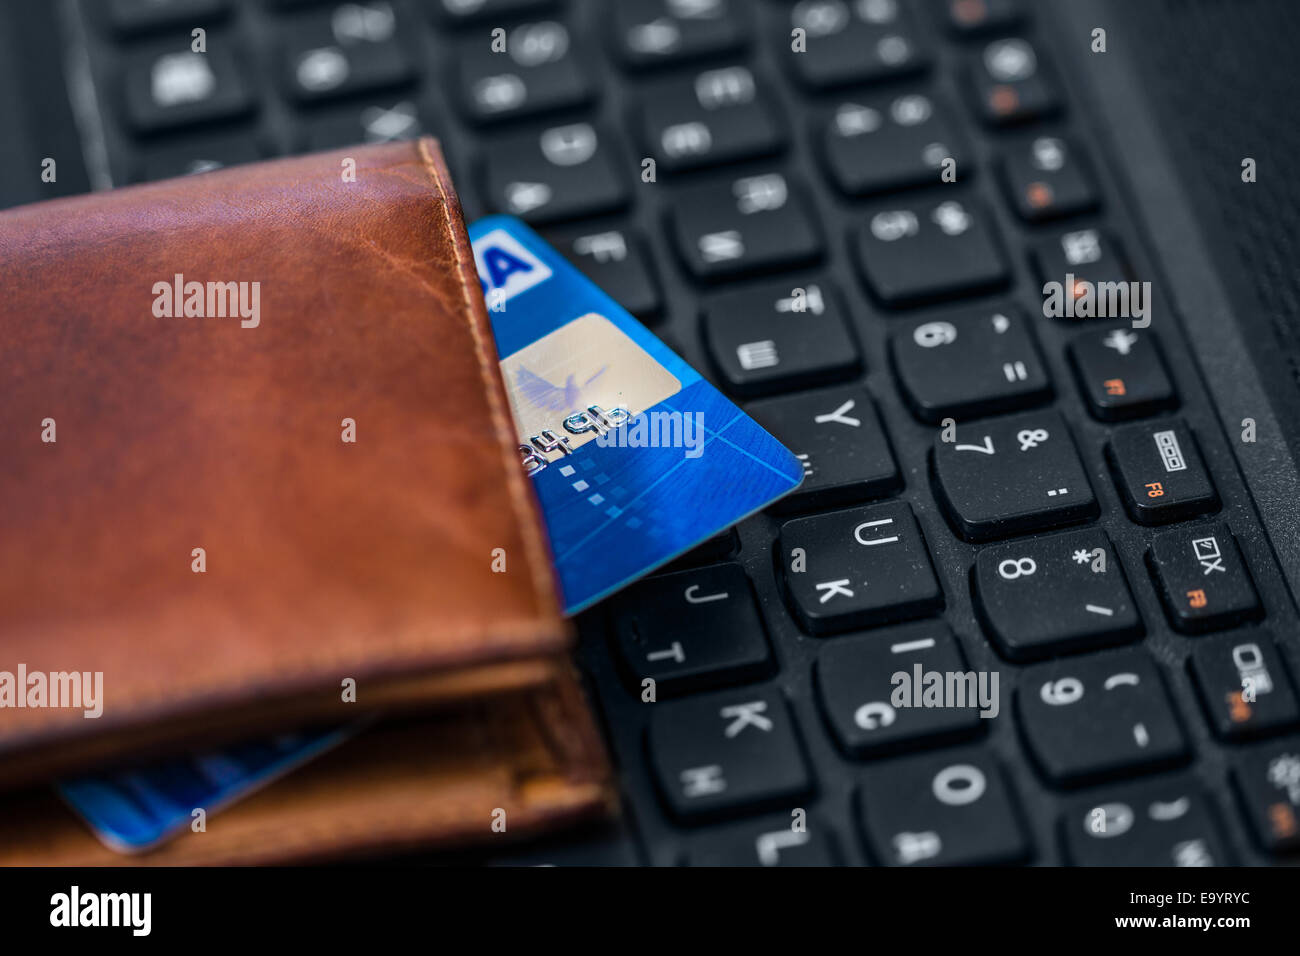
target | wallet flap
[{"x": 288, "y": 366}]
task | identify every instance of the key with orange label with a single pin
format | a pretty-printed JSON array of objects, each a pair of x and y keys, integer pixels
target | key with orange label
[
  {"x": 1203, "y": 578},
  {"x": 1121, "y": 373}
]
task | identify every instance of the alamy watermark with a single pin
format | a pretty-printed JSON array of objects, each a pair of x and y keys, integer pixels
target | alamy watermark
[
  {"x": 57, "y": 689},
  {"x": 210, "y": 300},
  {"x": 951, "y": 689}
]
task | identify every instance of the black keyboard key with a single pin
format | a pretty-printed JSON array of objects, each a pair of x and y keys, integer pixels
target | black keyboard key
[
  {"x": 460, "y": 12},
  {"x": 844, "y": 43},
  {"x": 616, "y": 260},
  {"x": 912, "y": 253},
  {"x": 199, "y": 155},
  {"x": 1054, "y": 594},
  {"x": 386, "y": 121},
  {"x": 718, "y": 548},
  {"x": 351, "y": 48},
  {"x": 1243, "y": 685},
  {"x": 1010, "y": 475},
  {"x": 876, "y": 144},
  {"x": 1160, "y": 473},
  {"x": 1268, "y": 783},
  {"x": 1087, "y": 718},
  {"x": 650, "y": 33},
  {"x": 837, "y": 435},
  {"x": 717, "y": 116},
  {"x": 690, "y": 630},
  {"x": 1081, "y": 259},
  {"x": 167, "y": 90},
  {"x": 947, "y": 809},
  {"x": 564, "y": 172},
  {"x": 753, "y": 224},
  {"x": 1121, "y": 373},
  {"x": 541, "y": 70},
  {"x": 1166, "y": 823},
  {"x": 857, "y": 568},
  {"x": 726, "y": 752},
  {"x": 1009, "y": 83},
  {"x": 968, "y": 364},
  {"x": 774, "y": 337},
  {"x": 971, "y": 17},
  {"x": 856, "y": 688},
  {"x": 1202, "y": 578},
  {"x": 1047, "y": 177},
  {"x": 129, "y": 17},
  {"x": 771, "y": 841}
]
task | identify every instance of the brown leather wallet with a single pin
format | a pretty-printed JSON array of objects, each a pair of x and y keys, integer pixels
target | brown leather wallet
[{"x": 257, "y": 452}]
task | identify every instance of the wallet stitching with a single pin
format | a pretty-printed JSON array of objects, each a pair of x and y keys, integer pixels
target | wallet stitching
[{"x": 537, "y": 555}]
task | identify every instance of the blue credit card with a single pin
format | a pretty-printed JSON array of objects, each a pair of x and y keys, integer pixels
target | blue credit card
[
  {"x": 135, "y": 810},
  {"x": 634, "y": 457}
]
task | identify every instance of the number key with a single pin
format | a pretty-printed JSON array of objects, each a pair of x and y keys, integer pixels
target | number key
[
  {"x": 973, "y": 363},
  {"x": 1095, "y": 717},
  {"x": 1053, "y": 594},
  {"x": 1169, "y": 823},
  {"x": 1007, "y": 475}
]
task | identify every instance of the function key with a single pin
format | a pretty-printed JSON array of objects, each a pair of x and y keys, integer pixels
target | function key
[
  {"x": 1090, "y": 256},
  {"x": 384, "y": 121},
  {"x": 1121, "y": 373},
  {"x": 1203, "y": 578},
  {"x": 972, "y": 17},
  {"x": 692, "y": 629},
  {"x": 166, "y": 90},
  {"x": 726, "y": 752},
  {"x": 129, "y": 17},
  {"x": 770, "y": 841},
  {"x": 1054, "y": 594},
  {"x": 857, "y": 568},
  {"x": 718, "y": 116},
  {"x": 876, "y": 144},
  {"x": 860, "y": 42},
  {"x": 459, "y": 12},
  {"x": 1268, "y": 783},
  {"x": 752, "y": 224},
  {"x": 856, "y": 686},
  {"x": 1009, "y": 85},
  {"x": 616, "y": 260},
  {"x": 912, "y": 253},
  {"x": 1243, "y": 685},
  {"x": 1047, "y": 177},
  {"x": 837, "y": 435},
  {"x": 652, "y": 32},
  {"x": 1094, "y": 717},
  {"x": 540, "y": 71},
  {"x": 1010, "y": 475},
  {"x": 1169, "y": 823},
  {"x": 1159, "y": 471},
  {"x": 968, "y": 364},
  {"x": 776, "y": 337},
  {"x": 351, "y": 48},
  {"x": 564, "y": 172},
  {"x": 948, "y": 809}
]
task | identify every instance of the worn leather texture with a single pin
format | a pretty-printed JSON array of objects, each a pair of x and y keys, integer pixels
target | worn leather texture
[
  {"x": 325, "y": 559},
  {"x": 420, "y": 785}
]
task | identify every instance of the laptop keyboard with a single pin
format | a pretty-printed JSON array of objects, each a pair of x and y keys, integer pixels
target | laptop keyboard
[{"x": 1053, "y": 500}]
